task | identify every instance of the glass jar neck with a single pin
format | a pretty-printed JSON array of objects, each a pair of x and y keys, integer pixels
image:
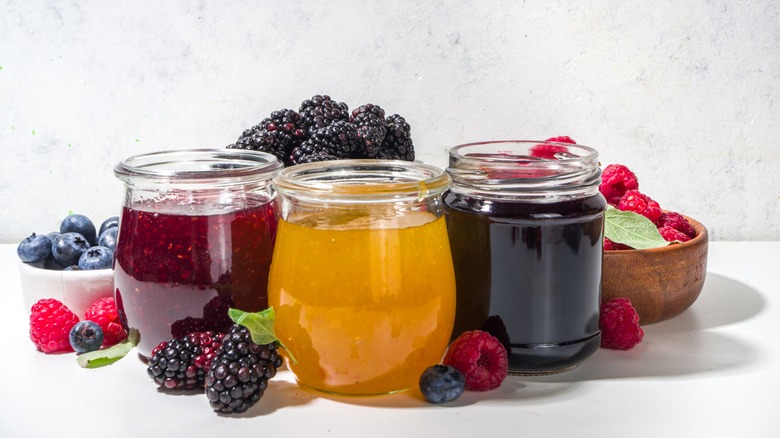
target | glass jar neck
[{"x": 525, "y": 170}]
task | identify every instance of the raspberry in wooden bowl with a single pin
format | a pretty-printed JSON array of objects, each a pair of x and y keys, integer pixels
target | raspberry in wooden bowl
[{"x": 660, "y": 282}]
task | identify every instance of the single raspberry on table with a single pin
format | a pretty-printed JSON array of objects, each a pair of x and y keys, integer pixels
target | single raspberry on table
[
  {"x": 612, "y": 246},
  {"x": 480, "y": 357},
  {"x": 619, "y": 324},
  {"x": 634, "y": 200},
  {"x": 50, "y": 324},
  {"x": 548, "y": 151},
  {"x": 673, "y": 235},
  {"x": 676, "y": 221},
  {"x": 104, "y": 313},
  {"x": 616, "y": 180}
]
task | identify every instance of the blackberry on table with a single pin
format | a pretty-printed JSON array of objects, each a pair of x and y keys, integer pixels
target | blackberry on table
[
  {"x": 397, "y": 144},
  {"x": 321, "y": 111},
  {"x": 240, "y": 372},
  {"x": 182, "y": 363}
]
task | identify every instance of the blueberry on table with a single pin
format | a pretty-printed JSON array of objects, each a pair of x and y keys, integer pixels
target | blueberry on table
[
  {"x": 78, "y": 223},
  {"x": 68, "y": 247},
  {"x": 85, "y": 336},
  {"x": 97, "y": 257},
  {"x": 442, "y": 383},
  {"x": 108, "y": 238},
  {"x": 35, "y": 248},
  {"x": 112, "y": 222}
]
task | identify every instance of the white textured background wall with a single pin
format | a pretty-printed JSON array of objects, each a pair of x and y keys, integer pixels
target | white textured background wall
[{"x": 686, "y": 93}]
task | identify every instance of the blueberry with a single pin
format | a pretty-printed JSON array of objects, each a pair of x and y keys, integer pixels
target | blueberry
[
  {"x": 111, "y": 222},
  {"x": 108, "y": 238},
  {"x": 78, "y": 223},
  {"x": 97, "y": 257},
  {"x": 85, "y": 336},
  {"x": 53, "y": 235},
  {"x": 68, "y": 247},
  {"x": 442, "y": 383},
  {"x": 35, "y": 248},
  {"x": 72, "y": 268}
]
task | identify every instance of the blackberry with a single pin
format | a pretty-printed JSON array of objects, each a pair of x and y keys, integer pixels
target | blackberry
[
  {"x": 321, "y": 111},
  {"x": 398, "y": 140},
  {"x": 339, "y": 139},
  {"x": 369, "y": 120},
  {"x": 256, "y": 139},
  {"x": 215, "y": 314},
  {"x": 182, "y": 363},
  {"x": 182, "y": 327},
  {"x": 240, "y": 372}
]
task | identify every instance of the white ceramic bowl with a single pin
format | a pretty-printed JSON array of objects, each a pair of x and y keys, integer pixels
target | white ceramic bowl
[{"x": 76, "y": 289}]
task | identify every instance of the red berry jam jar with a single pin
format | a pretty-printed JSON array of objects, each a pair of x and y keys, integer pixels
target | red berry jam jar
[
  {"x": 196, "y": 237},
  {"x": 525, "y": 221}
]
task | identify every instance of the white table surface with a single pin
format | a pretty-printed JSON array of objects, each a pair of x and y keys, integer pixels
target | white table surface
[{"x": 711, "y": 371}]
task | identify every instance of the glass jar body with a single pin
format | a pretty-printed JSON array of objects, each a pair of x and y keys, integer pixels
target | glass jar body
[
  {"x": 362, "y": 281},
  {"x": 196, "y": 237},
  {"x": 527, "y": 244}
]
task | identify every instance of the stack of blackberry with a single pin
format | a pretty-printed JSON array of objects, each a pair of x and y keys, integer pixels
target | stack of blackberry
[{"x": 324, "y": 129}]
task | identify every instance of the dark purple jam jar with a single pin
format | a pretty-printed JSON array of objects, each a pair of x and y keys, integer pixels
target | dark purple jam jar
[{"x": 525, "y": 221}]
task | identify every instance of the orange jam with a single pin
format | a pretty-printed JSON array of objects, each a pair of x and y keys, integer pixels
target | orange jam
[{"x": 364, "y": 303}]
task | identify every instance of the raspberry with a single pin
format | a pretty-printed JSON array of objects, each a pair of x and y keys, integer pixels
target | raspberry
[
  {"x": 612, "y": 246},
  {"x": 676, "y": 221},
  {"x": 104, "y": 313},
  {"x": 50, "y": 324},
  {"x": 640, "y": 203},
  {"x": 480, "y": 357},
  {"x": 672, "y": 235},
  {"x": 616, "y": 180},
  {"x": 548, "y": 151},
  {"x": 562, "y": 139},
  {"x": 619, "y": 324}
]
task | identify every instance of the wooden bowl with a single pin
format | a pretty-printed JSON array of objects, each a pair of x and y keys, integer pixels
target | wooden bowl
[{"x": 660, "y": 282}]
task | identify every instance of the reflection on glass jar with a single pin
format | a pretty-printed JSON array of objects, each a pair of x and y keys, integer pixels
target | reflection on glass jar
[
  {"x": 362, "y": 279},
  {"x": 195, "y": 237},
  {"x": 526, "y": 229}
]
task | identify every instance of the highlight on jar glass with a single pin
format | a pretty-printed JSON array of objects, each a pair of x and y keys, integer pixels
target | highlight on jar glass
[
  {"x": 196, "y": 236},
  {"x": 362, "y": 280},
  {"x": 525, "y": 221}
]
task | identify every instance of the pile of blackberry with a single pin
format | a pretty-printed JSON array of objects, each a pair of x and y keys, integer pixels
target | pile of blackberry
[
  {"x": 231, "y": 369},
  {"x": 324, "y": 129}
]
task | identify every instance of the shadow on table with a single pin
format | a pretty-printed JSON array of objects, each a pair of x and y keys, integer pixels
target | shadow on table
[{"x": 684, "y": 345}]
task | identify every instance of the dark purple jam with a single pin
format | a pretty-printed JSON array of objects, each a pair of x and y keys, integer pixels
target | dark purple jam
[{"x": 535, "y": 265}]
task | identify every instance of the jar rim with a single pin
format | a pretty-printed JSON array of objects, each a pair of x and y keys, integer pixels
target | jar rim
[
  {"x": 362, "y": 180},
  {"x": 199, "y": 166},
  {"x": 587, "y": 153}
]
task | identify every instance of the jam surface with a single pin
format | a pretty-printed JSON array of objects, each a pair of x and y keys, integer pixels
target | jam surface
[
  {"x": 538, "y": 267},
  {"x": 169, "y": 267}
]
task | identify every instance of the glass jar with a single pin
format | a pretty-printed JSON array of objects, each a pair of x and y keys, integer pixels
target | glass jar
[
  {"x": 525, "y": 221},
  {"x": 196, "y": 236},
  {"x": 362, "y": 281}
]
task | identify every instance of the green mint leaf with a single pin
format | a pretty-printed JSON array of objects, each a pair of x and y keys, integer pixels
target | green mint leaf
[
  {"x": 260, "y": 325},
  {"x": 631, "y": 229},
  {"x": 101, "y": 358}
]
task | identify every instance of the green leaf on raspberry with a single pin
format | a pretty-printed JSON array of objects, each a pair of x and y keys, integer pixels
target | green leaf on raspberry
[
  {"x": 101, "y": 358},
  {"x": 631, "y": 229},
  {"x": 260, "y": 325}
]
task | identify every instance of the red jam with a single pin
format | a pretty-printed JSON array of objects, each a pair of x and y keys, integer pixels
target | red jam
[{"x": 172, "y": 266}]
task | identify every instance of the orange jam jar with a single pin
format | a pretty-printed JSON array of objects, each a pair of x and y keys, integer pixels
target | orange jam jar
[{"x": 361, "y": 279}]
